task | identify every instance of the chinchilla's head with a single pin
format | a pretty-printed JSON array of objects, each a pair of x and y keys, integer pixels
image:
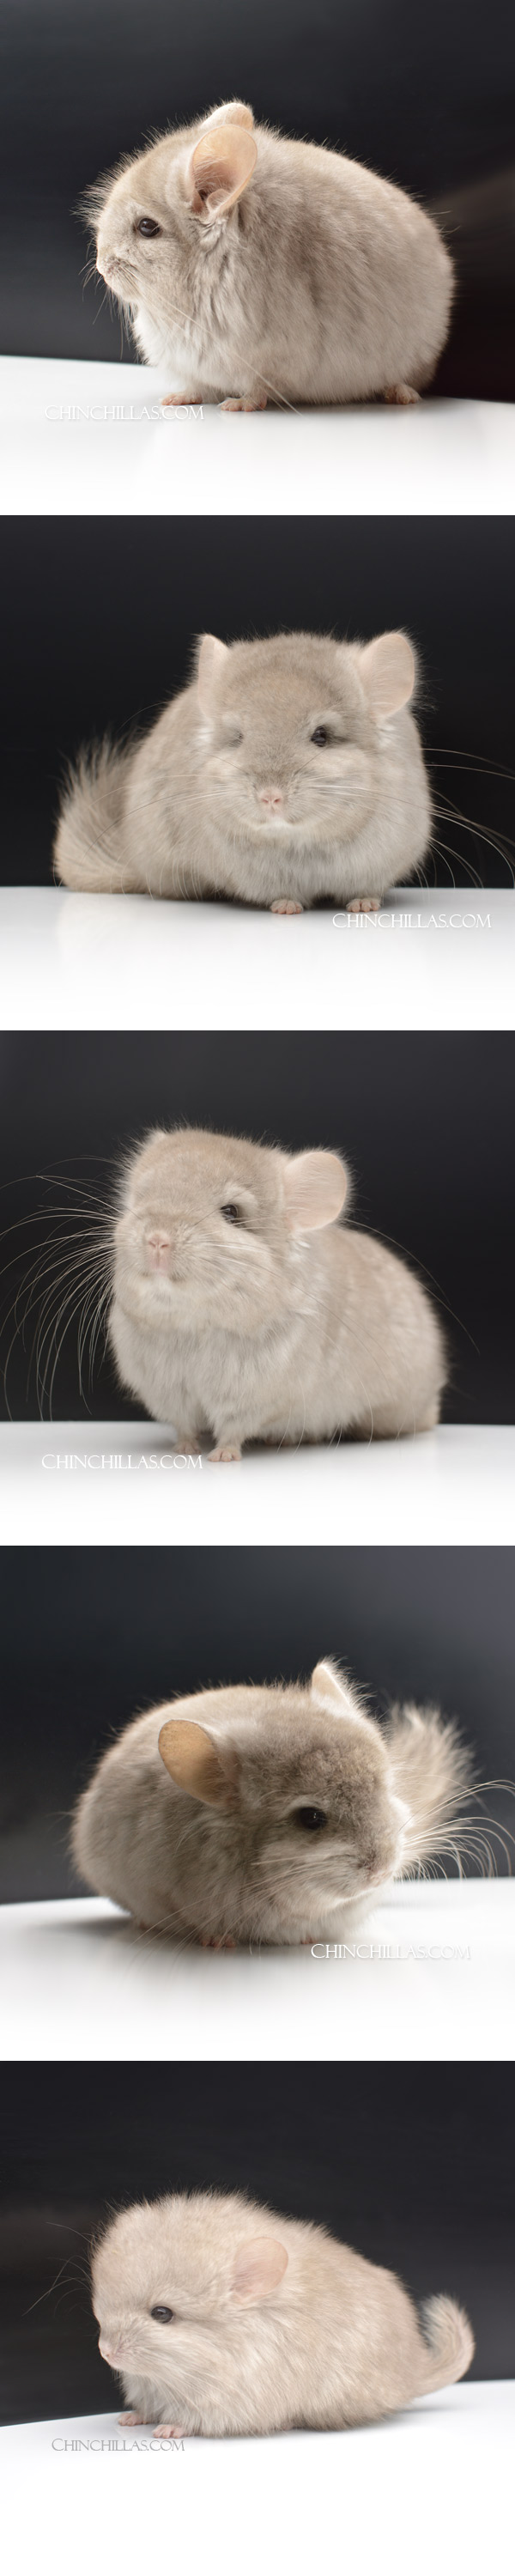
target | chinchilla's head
[
  {"x": 210, "y": 1228},
  {"x": 301, "y": 1783},
  {"x": 294, "y": 733},
  {"x": 171, "y": 2280},
  {"x": 159, "y": 218}
]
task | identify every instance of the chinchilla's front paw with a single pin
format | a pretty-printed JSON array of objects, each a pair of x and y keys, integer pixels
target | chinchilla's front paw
[
  {"x": 227, "y": 1449},
  {"x": 244, "y": 402},
  {"x": 170, "y": 2432},
  {"x": 286, "y": 907},
  {"x": 179, "y": 402}
]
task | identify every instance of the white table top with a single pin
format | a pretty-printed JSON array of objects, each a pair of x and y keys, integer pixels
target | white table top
[
  {"x": 88, "y": 437},
  {"x": 435, "y": 2483},
  {"x": 78, "y": 1981},
  {"x": 428, "y": 960},
  {"x": 122, "y": 1483}
]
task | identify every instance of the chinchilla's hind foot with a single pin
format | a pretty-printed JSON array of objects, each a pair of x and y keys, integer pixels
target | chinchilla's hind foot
[{"x": 400, "y": 394}]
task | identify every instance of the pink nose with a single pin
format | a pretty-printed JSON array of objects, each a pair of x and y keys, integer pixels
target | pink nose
[
  {"x": 158, "y": 1246},
  {"x": 271, "y": 796},
  {"x": 109, "y": 2351}
]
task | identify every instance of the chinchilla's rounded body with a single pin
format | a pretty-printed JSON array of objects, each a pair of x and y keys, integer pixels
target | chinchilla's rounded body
[
  {"x": 258, "y": 268},
  {"x": 223, "y": 2318},
  {"x": 289, "y": 771},
  {"x": 241, "y": 1311},
  {"x": 267, "y": 1815}
]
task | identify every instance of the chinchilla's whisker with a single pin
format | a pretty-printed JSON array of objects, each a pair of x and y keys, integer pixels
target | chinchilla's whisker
[
  {"x": 66, "y": 1275},
  {"x": 70, "y": 1307},
  {"x": 466, "y": 760},
  {"x": 470, "y": 872}
]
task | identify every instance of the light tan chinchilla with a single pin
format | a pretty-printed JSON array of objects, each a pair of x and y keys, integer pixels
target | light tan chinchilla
[
  {"x": 250, "y": 265},
  {"x": 289, "y": 770},
  {"x": 243, "y": 1311},
  {"x": 221, "y": 2318},
  {"x": 272, "y": 1814}
]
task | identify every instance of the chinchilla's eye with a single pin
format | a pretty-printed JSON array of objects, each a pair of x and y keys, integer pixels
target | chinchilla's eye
[
  {"x": 163, "y": 2316},
  {"x": 231, "y": 1214},
  {"x": 312, "y": 1819},
  {"x": 321, "y": 734},
  {"x": 147, "y": 226}
]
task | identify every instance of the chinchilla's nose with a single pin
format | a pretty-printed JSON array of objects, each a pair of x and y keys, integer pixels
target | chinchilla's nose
[
  {"x": 271, "y": 796},
  {"x": 158, "y": 1246},
  {"x": 110, "y": 2351}
]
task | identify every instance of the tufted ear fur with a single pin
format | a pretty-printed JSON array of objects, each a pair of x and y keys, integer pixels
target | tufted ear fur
[
  {"x": 387, "y": 670},
  {"x": 220, "y": 168},
  {"x": 206, "y": 1770},
  {"x": 315, "y": 1187},
  {"x": 331, "y": 1691},
  {"x": 234, "y": 112},
  {"x": 212, "y": 656},
  {"x": 258, "y": 2269},
  {"x": 326, "y": 1684}
]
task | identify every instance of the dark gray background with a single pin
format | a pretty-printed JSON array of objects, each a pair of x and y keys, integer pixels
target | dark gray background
[
  {"x": 101, "y": 621},
  {"x": 90, "y": 1640},
  {"x": 411, "y": 2164},
  {"x": 425, "y": 96},
  {"x": 423, "y": 1120}
]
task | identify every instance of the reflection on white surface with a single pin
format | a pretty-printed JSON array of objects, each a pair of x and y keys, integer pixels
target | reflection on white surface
[
  {"x": 428, "y": 960},
  {"x": 123, "y": 1483},
  {"x": 432, "y": 1976},
  {"x": 88, "y": 437},
  {"x": 433, "y": 2484}
]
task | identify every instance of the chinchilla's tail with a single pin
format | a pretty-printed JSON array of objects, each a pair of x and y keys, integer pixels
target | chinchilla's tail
[
  {"x": 432, "y": 1774},
  {"x": 88, "y": 846},
  {"x": 451, "y": 2344}
]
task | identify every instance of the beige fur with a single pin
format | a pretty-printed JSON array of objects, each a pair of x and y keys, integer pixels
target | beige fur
[
  {"x": 282, "y": 1326},
  {"x": 275, "y": 2324},
  {"x": 231, "y": 794},
  {"x": 191, "y": 1819},
  {"x": 277, "y": 269}
]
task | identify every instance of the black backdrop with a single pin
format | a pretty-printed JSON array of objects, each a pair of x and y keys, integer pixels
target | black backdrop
[
  {"x": 100, "y": 627},
  {"x": 413, "y": 2165},
  {"x": 424, "y": 96},
  {"x": 119, "y": 1630},
  {"x": 423, "y": 1120}
]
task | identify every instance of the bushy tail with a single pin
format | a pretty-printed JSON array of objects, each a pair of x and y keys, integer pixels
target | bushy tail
[
  {"x": 88, "y": 847},
  {"x": 451, "y": 2343},
  {"x": 432, "y": 1773}
]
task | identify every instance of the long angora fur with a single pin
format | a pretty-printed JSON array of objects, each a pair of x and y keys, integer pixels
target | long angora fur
[
  {"x": 274, "y": 1814},
  {"x": 288, "y": 771},
  {"x": 242, "y": 1311},
  {"x": 269, "y": 2323},
  {"x": 270, "y": 267}
]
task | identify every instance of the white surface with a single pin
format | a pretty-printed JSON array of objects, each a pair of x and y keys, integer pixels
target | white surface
[
  {"x": 450, "y": 457},
  {"x": 77, "y": 1981},
  {"x": 114, "y": 1483},
  {"x": 432, "y": 2488},
  {"x": 428, "y": 960}
]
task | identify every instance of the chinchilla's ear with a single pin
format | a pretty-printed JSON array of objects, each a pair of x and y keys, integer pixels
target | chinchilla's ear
[
  {"x": 258, "y": 2269},
  {"x": 211, "y": 661},
  {"x": 315, "y": 1187},
  {"x": 331, "y": 1690},
  {"x": 387, "y": 670},
  {"x": 234, "y": 112},
  {"x": 220, "y": 168},
  {"x": 327, "y": 1685},
  {"x": 200, "y": 1763}
]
